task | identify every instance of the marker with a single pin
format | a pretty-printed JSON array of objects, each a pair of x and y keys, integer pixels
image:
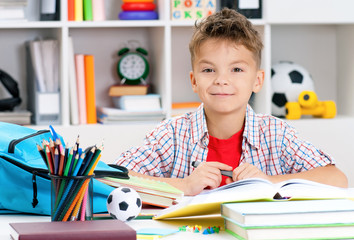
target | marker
[{"x": 223, "y": 172}]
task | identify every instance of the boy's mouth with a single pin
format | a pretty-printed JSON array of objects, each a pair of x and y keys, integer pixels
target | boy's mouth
[{"x": 221, "y": 94}]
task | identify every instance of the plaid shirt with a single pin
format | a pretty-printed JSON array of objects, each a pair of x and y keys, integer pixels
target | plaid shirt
[{"x": 268, "y": 143}]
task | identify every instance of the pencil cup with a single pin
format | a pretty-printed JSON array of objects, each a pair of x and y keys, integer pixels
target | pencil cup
[{"x": 71, "y": 198}]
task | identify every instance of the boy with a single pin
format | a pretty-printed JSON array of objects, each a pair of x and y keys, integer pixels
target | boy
[{"x": 225, "y": 133}]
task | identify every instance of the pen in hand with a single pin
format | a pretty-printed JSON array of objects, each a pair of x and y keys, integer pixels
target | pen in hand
[{"x": 223, "y": 172}]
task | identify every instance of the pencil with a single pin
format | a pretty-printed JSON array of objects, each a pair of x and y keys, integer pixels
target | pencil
[
  {"x": 87, "y": 161},
  {"x": 94, "y": 159},
  {"x": 42, "y": 153},
  {"x": 83, "y": 207},
  {"x": 61, "y": 161},
  {"x": 68, "y": 162},
  {"x": 72, "y": 160},
  {"x": 56, "y": 161},
  {"x": 49, "y": 159}
]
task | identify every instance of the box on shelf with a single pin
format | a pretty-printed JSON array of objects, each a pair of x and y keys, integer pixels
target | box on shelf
[
  {"x": 121, "y": 90},
  {"x": 192, "y": 10}
]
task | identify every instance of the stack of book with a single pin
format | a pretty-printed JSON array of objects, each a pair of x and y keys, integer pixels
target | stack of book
[
  {"x": 12, "y": 10},
  {"x": 309, "y": 219},
  {"x": 82, "y": 87},
  {"x": 131, "y": 103},
  {"x": 20, "y": 117},
  {"x": 107, "y": 115},
  {"x": 152, "y": 192}
]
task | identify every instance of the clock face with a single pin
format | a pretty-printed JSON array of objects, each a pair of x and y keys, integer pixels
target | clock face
[{"x": 132, "y": 66}]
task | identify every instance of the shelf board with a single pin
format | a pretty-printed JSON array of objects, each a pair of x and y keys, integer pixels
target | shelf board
[
  {"x": 30, "y": 24},
  {"x": 82, "y": 24},
  {"x": 115, "y": 23}
]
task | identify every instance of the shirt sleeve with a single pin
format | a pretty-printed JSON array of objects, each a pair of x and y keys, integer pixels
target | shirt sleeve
[
  {"x": 300, "y": 155},
  {"x": 155, "y": 156}
]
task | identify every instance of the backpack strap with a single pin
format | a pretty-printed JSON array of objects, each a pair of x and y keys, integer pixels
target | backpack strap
[{"x": 122, "y": 173}]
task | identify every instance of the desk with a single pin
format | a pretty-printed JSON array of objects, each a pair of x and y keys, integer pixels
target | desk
[{"x": 136, "y": 224}]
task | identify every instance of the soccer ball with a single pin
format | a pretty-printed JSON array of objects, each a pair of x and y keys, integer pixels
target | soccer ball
[
  {"x": 288, "y": 81},
  {"x": 124, "y": 203}
]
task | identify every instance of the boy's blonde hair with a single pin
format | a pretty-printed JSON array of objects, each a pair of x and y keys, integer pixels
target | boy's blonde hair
[{"x": 229, "y": 25}]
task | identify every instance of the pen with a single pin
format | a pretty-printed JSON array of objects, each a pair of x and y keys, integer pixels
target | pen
[{"x": 223, "y": 172}]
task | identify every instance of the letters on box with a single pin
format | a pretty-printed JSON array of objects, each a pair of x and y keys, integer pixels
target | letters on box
[{"x": 192, "y": 9}]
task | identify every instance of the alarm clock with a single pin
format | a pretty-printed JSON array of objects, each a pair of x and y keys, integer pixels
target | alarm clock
[{"x": 133, "y": 68}]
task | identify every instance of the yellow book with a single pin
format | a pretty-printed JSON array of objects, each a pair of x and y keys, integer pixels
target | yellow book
[
  {"x": 79, "y": 10},
  {"x": 151, "y": 191}
]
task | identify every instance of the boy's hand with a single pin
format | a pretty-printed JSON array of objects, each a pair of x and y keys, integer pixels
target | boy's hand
[
  {"x": 207, "y": 174},
  {"x": 246, "y": 170}
]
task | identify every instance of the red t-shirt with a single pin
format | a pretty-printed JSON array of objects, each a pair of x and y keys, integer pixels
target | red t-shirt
[{"x": 226, "y": 151}]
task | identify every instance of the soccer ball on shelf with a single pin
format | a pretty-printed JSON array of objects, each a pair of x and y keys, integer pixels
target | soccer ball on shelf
[
  {"x": 124, "y": 204},
  {"x": 288, "y": 81}
]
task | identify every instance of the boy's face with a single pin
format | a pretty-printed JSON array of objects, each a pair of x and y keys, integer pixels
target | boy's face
[{"x": 224, "y": 76}]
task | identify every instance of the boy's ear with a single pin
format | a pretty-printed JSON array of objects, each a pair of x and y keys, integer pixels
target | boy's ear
[
  {"x": 193, "y": 81},
  {"x": 259, "y": 81}
]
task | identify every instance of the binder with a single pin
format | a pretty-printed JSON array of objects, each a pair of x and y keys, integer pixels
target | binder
[
  {"x": 44, "y": 105},
  {"x": 50, "y": 10}
]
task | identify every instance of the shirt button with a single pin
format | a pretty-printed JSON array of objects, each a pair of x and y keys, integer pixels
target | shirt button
[{"x": 127, "y": 155}]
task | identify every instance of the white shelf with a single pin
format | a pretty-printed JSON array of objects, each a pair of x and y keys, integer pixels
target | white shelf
[{"x": 317, "y": 34}]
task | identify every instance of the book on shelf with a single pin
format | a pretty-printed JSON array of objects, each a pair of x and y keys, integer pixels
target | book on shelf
[
  {"x": 277, "y": 213},
  {"x": 320, "y": 231},
  {"x": 148, "y": 102},
  {"x": 106, "y": 229},
  {"x": 121, "y": 90},
  {"x": 79, "y": 10},
  {"x": 98, "y": 10},
  {"x": 71, "y": 10},
  {"x": 13, "y": 10},
  {"x": 91, "y": 115},
  {"x": 73, "y": 88},
  {"x": 252, "y": 189},
  {"x": 179, "y": 108},
  {"x": 151, "y": 191},
  {"x": 80, "y": 84},
  {"x": 107, "y": 115},
  {"x": 87, "y": 10}
]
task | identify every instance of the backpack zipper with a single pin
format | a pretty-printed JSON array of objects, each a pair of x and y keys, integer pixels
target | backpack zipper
[{"x": 14, "y": 142}]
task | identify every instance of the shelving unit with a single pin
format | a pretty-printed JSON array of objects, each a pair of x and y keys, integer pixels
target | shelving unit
[{"x": 317, "y": 34}]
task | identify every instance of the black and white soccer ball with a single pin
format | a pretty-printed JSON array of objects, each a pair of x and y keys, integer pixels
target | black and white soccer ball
[
  {"x": 124, "y": 203},
  {"x": 288, "y": 81}
]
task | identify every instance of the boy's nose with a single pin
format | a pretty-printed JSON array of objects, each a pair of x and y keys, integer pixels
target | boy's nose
[{"x": 221, "y": 79}]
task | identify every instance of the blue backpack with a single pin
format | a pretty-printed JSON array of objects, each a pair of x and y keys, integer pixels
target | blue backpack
[{"x": 24, "y": 182}]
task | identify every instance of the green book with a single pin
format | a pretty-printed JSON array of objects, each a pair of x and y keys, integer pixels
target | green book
[
  {"x": 87, "y": 5},
  {"x": 276, "y": 213},
  {"x": 312, "y": 231}
]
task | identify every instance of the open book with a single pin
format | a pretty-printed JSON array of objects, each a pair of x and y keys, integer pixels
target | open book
[{"x": 252, "y": 189}]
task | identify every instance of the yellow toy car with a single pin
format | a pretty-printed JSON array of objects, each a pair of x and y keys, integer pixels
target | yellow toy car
[{"x": 308, "y": 104}]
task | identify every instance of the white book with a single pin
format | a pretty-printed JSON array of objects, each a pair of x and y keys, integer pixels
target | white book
[
  {"x": 280, "y": 213},
  {"x": 74, "y": 106},
  {"x": 252, "y": 189},
  {"x": 10, "y": 12},
  {"x": 148, "y": 102}
]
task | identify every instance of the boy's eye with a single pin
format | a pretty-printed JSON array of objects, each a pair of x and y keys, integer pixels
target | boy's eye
[
  {"x": 207, "y": 70},
  {"x": 237, "y": 70}
]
